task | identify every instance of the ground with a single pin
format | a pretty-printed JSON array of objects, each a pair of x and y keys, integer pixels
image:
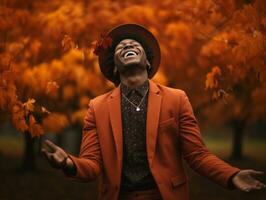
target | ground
[{"x": 47, "y": 183}]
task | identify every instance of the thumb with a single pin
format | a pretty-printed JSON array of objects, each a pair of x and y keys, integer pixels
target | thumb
[{"x": 46, "y": 154}]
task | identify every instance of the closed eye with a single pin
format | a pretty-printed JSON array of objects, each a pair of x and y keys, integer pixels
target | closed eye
[{"x": 121, "y": 46}]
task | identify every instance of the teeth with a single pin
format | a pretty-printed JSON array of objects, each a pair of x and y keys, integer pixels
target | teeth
[{"x": 130, "y": 54}]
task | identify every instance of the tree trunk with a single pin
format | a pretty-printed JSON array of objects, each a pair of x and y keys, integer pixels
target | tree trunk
[
  {"x": 238, "y": 133},
  {"x": 28, "y": 163}
]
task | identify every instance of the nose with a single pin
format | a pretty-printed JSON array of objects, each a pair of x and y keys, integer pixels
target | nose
[{"x": 128, "y": 46}]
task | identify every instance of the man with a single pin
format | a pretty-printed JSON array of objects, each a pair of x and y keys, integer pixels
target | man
[{"x": 135, "y": 136}]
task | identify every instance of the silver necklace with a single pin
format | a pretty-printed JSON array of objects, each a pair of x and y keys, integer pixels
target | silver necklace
[{"x": 136, "y": 106}]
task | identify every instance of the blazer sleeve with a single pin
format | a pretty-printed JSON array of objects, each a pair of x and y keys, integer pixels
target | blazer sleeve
[
  {"x": 88, "y": 164},
  {"x": 194, "y": 151}
]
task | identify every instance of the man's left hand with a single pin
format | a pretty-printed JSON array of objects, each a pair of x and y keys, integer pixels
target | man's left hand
[{"x": 245, "y": 181}]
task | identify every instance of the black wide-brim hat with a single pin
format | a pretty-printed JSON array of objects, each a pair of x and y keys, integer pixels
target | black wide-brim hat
[{"x": 129, "y": 31}]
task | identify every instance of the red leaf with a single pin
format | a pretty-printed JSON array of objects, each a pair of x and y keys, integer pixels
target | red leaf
[{"x": 102, "y": 44}]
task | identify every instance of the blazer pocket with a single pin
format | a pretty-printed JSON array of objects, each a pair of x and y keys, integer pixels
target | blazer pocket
[{"x": 178, "y": 180}]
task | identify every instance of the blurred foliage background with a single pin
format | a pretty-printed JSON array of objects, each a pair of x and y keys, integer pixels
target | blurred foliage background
[{"x": 212, "y": 49}]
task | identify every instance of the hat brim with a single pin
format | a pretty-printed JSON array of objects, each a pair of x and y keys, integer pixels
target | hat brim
[{"x": 130, "y": 31}]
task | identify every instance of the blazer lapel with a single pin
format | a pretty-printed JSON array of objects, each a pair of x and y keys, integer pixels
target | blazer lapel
[
  {"x": 153, "y": 114},
  {"x": 114, "y": 108}
]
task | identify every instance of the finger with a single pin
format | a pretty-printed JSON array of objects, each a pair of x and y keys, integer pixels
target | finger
[
  {"x": 254, "y": 172},
  {"x": 51, "y": 145},
  {"x": 50, "y": 158},
  {"x": 46, "y": 154},
  {"x": 257, "y": 185}
]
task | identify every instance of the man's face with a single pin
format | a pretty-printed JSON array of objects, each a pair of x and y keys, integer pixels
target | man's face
[{"x": 130, "y": 55}]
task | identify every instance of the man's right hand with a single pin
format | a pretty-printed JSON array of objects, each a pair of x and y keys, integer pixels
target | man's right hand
[{"x": 57, "y": 157}]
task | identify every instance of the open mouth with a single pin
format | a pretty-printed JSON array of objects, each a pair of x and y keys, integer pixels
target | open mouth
[{"x": 129, "y": 54}]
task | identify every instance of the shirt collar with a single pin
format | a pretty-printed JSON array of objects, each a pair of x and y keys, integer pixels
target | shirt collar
[{"x": 141, "y": 89}]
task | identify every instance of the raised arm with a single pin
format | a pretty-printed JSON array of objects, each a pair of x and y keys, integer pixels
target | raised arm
[{"x": 87, "y": 166}]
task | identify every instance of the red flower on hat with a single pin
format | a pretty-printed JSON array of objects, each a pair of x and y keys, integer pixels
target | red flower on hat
[{"x": 102, "y": 44}]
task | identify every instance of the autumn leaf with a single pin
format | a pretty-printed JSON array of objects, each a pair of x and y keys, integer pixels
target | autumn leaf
[
  {"x": 212, "y": 78},
  {"x": 21, "y": 125},
  {"x": 19, "y": 118},
  {"x": 102, "y": 44},
  {"x": 35, "y": 129},
  {"x": 29, "y": 105},
  {"x": 88, "y": 56},
  {"x": 68, "y": 43},
  {"x": 224, "y": 95},
  {"x": 44, "y": 110},
  {"x": 52, "y": 87},
  {"x": 106, "y": 42}
]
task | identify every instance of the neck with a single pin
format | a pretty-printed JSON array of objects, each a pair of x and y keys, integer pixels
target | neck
[{"x": 134, "y": 80}]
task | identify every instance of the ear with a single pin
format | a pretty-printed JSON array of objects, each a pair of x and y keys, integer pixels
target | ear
[
  {"x": 148, "y": 65},
  {"x": 115, "y": 70}
]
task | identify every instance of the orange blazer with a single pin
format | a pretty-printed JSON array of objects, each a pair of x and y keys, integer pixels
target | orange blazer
[{"x": 172, "y": 133}]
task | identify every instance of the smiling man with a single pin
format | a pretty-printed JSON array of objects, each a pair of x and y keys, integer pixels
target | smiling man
[{"x": 135, "y": 136}]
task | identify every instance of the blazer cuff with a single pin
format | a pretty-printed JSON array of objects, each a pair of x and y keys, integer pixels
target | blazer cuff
[
  {"x": 230, "y": 183},
  {"x": 70, "y": 172}
]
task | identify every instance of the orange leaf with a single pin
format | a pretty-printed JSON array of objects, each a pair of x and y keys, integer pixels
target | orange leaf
[
  {"x": 21, "y": 125},
  {"x": 212, "y": 78},
  {"x": 52, "y": 87},
  {"x": 68, "y": 43},
  {"x": 35, "y": 129},
  {"x": 18, "y": 118},
  {"x": 29, "y": 105},
  {"x": 44, "y": 110}
]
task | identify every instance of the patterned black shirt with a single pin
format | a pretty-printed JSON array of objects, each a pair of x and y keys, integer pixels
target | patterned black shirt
[{"x": 136, "y": 174}]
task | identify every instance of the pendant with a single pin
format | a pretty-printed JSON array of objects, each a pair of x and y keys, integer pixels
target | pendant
[{"x": 137, "y": 109}]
